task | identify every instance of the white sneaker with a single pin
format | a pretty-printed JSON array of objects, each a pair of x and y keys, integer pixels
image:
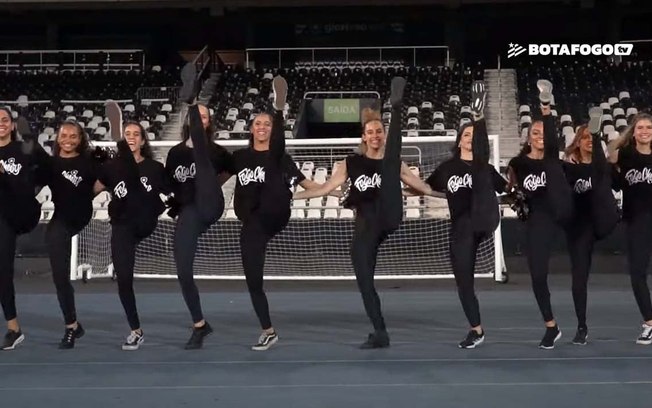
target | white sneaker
[
  {"x": 134, "y": 340},
  {"x": 646, "y": 335},
  {"x": 265, "y": 341}
]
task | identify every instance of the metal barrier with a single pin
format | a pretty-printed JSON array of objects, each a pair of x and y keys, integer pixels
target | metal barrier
[
  {"x": 352, "y": 54},
  {"x": 350, "y": 94},
  {"x": 169, "y": 93},
  {"x": 72, "y": 59}
]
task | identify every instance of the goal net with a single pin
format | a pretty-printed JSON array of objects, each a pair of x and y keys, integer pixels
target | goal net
[{"x": 316, "y": 243}]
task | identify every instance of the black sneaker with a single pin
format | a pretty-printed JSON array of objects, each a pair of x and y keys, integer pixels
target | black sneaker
[
  {"x": 196, "y": 340},
  {"x": 134, "y": 341},
  {"x": 280, "y": 88},
  {"x": 12, "y": 339},
  {"x": 581, "y": 336},
  {"x": 189, "y": 90},
  {"x": 69, "y": 337},
  {"x": 114, "y": 114},
  {"x": 265, "y": 341},
  {"x": 478, "y": 96},
  {"x": 646, "y": 335},
  {"x": 376, "y": 340},
  {"x": 552, "y": 335},
  {"x": 472, "y": 340},
  {"x": 396, "y": 93},
  {"x": 25, "y": 130}
]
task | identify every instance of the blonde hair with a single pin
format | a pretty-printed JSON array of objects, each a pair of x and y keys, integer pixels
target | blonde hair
[
  {"x": 368, "y": 115},
  {"x": 626, "y": 137},
  {"x": 572, "y": 152}
]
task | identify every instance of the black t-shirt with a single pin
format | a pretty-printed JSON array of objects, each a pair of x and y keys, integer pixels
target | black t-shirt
[
  {"x": 153, "y": 179},
  {"x": 636, "y": 180},
  {"x": 180, "y": 169},
  {"x": 365, "y": 181},
  {"x": 71, "y": 181},
  {"x": 18, "y": 205},
  {"x": 531, "y": 178},
  {"x": 454, "y": 178},
  {"x": 579, "y": 176},
  {"x": 249, "y": 169}
]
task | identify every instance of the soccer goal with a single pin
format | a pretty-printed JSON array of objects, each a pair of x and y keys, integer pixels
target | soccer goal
[{"x": 316, "y": 243}]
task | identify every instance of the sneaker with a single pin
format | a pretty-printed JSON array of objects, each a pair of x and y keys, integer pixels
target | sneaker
[
  {"x": 25, "y": 131},
  {"x": 646, "y": 335},
  {"x": 396, "y": 94},
  {"x": 552, "y": 335},
  {"x": 114, "y": 114},
  {"x": 189, "y": 90},
  {"x": 581, "y": 336},
  {"x": 376, "y": 340},
  {"x": 69, "y": 337},
  {"x": 472, "y": 340},
  {"x": 134, "y": 341},
  {"x": 545, "y": 91},
  {"x": 265, "y": 341},
  {"x": 280, "y": 88},
  {"x": 595, "y": 117},
  {"x": 12, "y": 339},
  {"x": 478, "y": 96},
  {"x": 196, "y": 340}
]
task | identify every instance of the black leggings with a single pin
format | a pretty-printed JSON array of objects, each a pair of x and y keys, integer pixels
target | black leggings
[
  {"x": 253, "y": 245},
  {"x": 639, "y": 249},
  {"x": 59, "y": 236},
  {"x": 540, "y": 234},
  {"x": 7, "y": 254},
  {"x": 463, "y": 248},
  {"x": 367, "y": 237},
  {"x": 123, "y": 250},
  {"x": 581, "y": 238}
]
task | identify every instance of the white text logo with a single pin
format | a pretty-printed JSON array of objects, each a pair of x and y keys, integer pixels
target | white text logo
[
  {"x": 182, "y": 173},
  {"x": 364, "y": 182},
  {"x": 72, "y": 177},
  {"x": 582, "y": 186},
  {"x": 11, "y": 166},
  {"x": 148, "y": 187},
  {"x": 457, "y": 182},
  {"x": 246, "y": 176},
  {"x": 636, "y": 176},
  {"x": 571, "y": 49},
  {"x": 533, "y": 182},
  {"x": 120, "y": 190}
]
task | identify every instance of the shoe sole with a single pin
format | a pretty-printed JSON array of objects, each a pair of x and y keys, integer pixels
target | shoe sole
[
  {"x": 553, "y": 343},
  {"x": 17, "y": 342},
  {"x": 188, "y": 80},
  {"x": 114, "y": 114},
  {"x": 396, "y": 92},
  {"x": 595, "y": 114},
  {"x": 267, "y": 346},
  {"x": 133, "y": 348},
  {"x": 478, "y": 96},
  {"x": 544, "y": 86},
  {"x": 280, "y": 89},
  {"x": 186, "y": 347},
  {"x": 582, "y": 344},
  {"x": 644, "y": 342},
  {"x": 472, "y": 346}
]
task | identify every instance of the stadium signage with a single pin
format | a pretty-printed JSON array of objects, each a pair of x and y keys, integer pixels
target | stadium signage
[{"x": 515, "y": 50}]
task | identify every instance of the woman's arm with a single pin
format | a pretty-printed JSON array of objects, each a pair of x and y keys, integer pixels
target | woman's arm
[
  {"x": 313, "y": 189},
  {"x": 98, "y": 187},
  {"x": 415, "y": 183}
]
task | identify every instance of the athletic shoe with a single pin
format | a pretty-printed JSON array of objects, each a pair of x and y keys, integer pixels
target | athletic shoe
[
  {"x": 196, "y": 340},
  {"x": 396, "y": 94},
  {"x": 114, "y": 114},
  {"x": 478, "y": 96},
  {"x": 265, "y": 341},
  {"x": 595, "y": 115},
  {"x": 12, "y": 339},
  {"x": 545, "y": 91},
  {"x": 552, "y": 335},
  {"x": 581, "y": 336},
  {"x": 69, "y": 337},
  {"x": 189, "y": 90},
  {"x": 379, "y": 339},
  {"x": 472, "y": 340},
  {"x": 25, "y": 131},
  {"x": 646, "y": 335},
  {"x": 280, "y": 89},
  {"x": 134, "y": 341}
]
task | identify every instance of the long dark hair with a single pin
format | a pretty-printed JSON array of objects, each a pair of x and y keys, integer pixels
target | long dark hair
[
  {"x": 251, "y": 133},
  {"x": 185, "y": 130},
  {"x": 456, "y": 148},
  {"x": 14, "y": 133},
  {"x": 82, "y": 148},
  {"x": 526, "y": 146},
  {"x": 146, "y": 148}
]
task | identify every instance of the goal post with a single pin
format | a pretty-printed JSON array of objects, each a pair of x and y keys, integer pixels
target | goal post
[{"x": 316, "y": 243}]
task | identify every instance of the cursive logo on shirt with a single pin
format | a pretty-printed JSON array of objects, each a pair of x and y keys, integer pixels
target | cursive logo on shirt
[
  {"x": 365, "y": 182},
  {"x": 582, "y": 186},
  {"x": 72, "y": 176},
  {"x": 457, "y": 182},
  {"x": 533, "y": 181},
  {"x": 120, "y": 190},
  {"x": 635, "y": 176},
  {"x": 183, "y": 173},
  {"x": 11, "y": 166},
  {"x": 246, "y": 176}
]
